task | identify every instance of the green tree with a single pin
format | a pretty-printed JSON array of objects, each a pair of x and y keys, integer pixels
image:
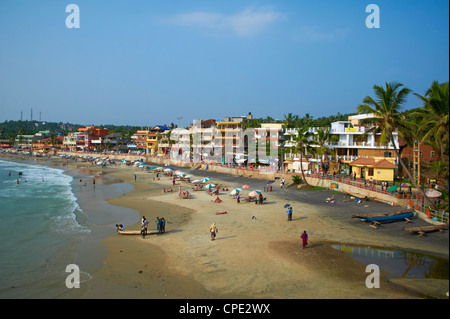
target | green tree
[
  {"x": 289, "y": 120},
  {"x": 434, "y": 115},
  {"x": 302, "y": 144},
  {"x": 388, "y": 119}
]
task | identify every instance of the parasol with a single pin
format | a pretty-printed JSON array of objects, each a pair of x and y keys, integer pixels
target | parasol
[
  {"x": 254, "y": 193},
  {"x": 245, "y": 186},
  {"x": 235, "y": 191},
  {"x": 433, "y": 193},
  {"x": 392, "y": 188}
]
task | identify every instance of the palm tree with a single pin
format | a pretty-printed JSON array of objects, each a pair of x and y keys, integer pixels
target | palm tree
[
  {"x": 435, "y": 117},
  {"x": 322, "y": 138},
  {"x": 289, "y": 120},
  {"x": 302, "y": 144},
  {"x": 388, "y": 119},
  {"x": 440, "y": 170}
]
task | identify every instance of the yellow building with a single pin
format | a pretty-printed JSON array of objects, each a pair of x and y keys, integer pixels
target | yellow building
[{"x": 378, "y": 170}]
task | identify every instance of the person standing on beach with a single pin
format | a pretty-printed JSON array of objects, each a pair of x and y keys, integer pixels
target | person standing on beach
[
  {"x": 289, "y": 213},
  {"x": 135, "y": 177},
  {"x": 144, "y": 224},
  {"x": 238, "y": 198},
  {"x": 214, "y": 230},
  {"x": 163, "y": 225},
  {"x": 158, "y": 225},
  {"x": 304, "y": 238}
]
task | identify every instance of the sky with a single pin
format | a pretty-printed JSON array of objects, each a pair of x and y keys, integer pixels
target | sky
[{"x": 148, "y": 62}]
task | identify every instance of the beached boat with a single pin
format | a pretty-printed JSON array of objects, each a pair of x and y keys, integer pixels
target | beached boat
[
  {"x": 365, "y": 216},
  {"x": 426, "y": 229},
  {"x": 391, "y": 218},
  {"x": 136, "y": 232}
]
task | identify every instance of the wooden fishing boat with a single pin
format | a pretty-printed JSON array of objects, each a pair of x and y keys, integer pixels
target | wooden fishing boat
[
  {"x": 365, "y": 216},
  {"x": 136, "y": 232},
  {"x": 389, "y": 218},
  {"x": 426, "y": 229}
]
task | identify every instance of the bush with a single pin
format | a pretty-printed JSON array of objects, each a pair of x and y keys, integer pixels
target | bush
[{"x": 296, "y": 179}]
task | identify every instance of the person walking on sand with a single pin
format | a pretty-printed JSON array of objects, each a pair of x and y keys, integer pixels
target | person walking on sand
[
  {"x": 304, "y": 238},
  {"x": 238, "y": 198},
  {"x": 214, "y": 230},
  {"x": 289, "y": 213}
]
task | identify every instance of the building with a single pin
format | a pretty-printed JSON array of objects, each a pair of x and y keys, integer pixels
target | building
[
  {"x": 139, "y": 141},
  {"x": 91, "y": 138},
  {"x": 45, "y": 145},
  {"x": 374, "y": 168},
  {"x": 70, "y": 141},
  {"x": 154, "y": 136},
  {"x": 350, "y": 140}
]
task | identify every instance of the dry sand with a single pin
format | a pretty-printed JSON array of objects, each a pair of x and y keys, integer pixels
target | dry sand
[{"x": 258, "y": 257}]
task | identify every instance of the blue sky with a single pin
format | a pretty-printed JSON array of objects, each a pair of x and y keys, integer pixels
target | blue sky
[{"x": 146, "y": 62}]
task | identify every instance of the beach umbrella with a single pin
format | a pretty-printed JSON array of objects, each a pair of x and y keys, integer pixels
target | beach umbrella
[
  {"x": 287, "y": 205},
  {"x": 392, "y": 188},
  {"x": 433, "y": 193},
  {"x": 167, "y": 164},
  {"x": 245, "y": 186},
  {"x": 210, "y": 185},
  {"x": 153, "y": 167},
  {"x": 196, "y": 181},
  {"x": 168, "y": 170},
  {"x": 254, "y": 193},
  {"x": 406, "y": 185},
  {"x": 188, "y": 175},
  {"x": 235, "y": 191},
  {"x": 204, "y": 180}
]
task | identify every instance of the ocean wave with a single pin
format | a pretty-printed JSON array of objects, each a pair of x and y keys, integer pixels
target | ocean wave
[{"x": 49, "y": 189}]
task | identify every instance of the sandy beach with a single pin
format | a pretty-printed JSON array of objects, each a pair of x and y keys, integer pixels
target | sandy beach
[{"x": 257, "y": 253}]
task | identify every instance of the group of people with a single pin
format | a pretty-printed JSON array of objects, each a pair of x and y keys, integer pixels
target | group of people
[{"x": 160, "y": 226}]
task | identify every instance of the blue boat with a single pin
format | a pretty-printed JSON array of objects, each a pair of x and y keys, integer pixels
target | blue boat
[{"x": 395, "y": 217}]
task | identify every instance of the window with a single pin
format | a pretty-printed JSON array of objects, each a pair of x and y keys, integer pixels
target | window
[
  {"x": 420, "y": 154},
  {"x": 387, "y": 154},
  {"x": 370, "y": 172},
  {"x": 432, "y": 154}
]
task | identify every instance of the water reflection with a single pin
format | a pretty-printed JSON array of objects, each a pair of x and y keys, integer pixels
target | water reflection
[{"x": 399, "y": 263}]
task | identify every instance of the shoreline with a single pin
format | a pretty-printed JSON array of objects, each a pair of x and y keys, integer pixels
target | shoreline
[{"x": 257, "y": 258}]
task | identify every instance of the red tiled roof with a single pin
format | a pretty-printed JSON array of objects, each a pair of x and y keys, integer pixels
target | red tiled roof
[
  {"x": 363, "y": 161},
  {"x": 385, "y": 163},
  {"x": 371, "y": 162}
]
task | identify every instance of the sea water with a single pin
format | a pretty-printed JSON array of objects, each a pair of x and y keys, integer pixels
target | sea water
[{"x": 39, "y": 230}]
